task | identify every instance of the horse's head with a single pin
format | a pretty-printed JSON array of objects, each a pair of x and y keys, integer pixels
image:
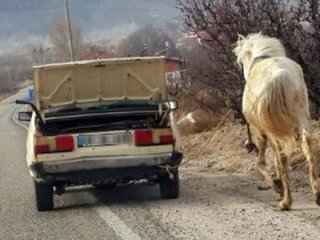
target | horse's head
[
  {"x": 256, "y": 45},
  {"x": 242, "y": 49}
]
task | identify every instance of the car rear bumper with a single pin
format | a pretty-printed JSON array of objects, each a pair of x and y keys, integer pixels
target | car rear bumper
[{"x": 102, "y": 169}]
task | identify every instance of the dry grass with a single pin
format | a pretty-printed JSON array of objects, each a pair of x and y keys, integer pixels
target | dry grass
[
  {"x": 200, "y": 106},
  {"x": 223, "y": 150}
]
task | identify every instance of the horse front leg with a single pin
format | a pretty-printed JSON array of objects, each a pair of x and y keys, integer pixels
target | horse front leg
[{"x": 250, "y": 146}]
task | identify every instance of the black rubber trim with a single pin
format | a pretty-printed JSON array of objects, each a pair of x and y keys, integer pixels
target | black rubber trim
[{"x": 105, "y": 174}]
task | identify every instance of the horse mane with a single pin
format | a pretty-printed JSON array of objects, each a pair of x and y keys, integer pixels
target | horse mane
[{"x": 256, "y": 45}]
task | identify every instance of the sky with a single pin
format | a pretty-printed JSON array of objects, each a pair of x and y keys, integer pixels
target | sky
[{"x": 25, "y": 24}]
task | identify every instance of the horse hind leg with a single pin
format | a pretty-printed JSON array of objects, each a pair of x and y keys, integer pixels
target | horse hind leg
[
  {"x": 273, "y": 182},
  {"x": 309, "y": 153},
  {"x": 282, "y": 161},
  {"x": 277, "y": 182},
  {"x": 261, "y": 162}
]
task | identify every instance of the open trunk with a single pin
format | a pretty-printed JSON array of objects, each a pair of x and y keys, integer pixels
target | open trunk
[
  {"x": 97, "y": 81},
  {"x": 115, "y": 115},
  {"x": 101, "y": 95}
]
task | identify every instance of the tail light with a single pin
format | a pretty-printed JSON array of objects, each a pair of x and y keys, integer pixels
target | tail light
[
  {"x": 143, "y": 137},
  {"x": 45, "y": 148},
  {"x": 153, "y": 137},
  {"x": 166, "y": 139},
  {"x": 64, "y": 143},
  {"x": 54, "y": 144}
]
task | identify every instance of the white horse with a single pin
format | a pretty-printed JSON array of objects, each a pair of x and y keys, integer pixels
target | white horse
[{"x": 275, "y": 103}]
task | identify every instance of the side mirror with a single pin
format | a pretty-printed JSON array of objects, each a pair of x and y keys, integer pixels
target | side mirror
[
  {"x": 172, "y": 105},
  {"x": 24, "y": 116}
]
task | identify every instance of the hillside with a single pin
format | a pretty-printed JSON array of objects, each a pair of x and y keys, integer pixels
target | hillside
[{"x": 25, "y": 23}]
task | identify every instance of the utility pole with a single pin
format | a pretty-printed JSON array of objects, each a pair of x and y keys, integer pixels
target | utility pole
[
  {"x": 69, "y": 29},
  {"x": 42, "y": 53}
]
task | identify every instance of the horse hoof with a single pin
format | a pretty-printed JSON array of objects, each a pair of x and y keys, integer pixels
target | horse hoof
[
  {"x": 284, "y": 206},
  {"x": 318, "y": 198},
  {"x": 278, "y": 186},
  {"x": 251, "y": 147}
]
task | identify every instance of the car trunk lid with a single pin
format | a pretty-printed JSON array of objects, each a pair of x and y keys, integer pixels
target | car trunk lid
[{"x": 72, "y": 83}]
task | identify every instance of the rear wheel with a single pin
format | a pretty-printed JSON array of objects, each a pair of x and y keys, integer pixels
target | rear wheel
[
  {"x": 169, "y": 184},
  {"x": 44, "y": 196}
]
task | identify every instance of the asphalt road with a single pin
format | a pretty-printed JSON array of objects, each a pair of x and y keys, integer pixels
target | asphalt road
[{"x": 211, "y": 206}]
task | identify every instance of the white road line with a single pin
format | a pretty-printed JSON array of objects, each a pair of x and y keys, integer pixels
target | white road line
[
  {"x": 120, "y": 228},
  {"x": 111, "y": 219}
]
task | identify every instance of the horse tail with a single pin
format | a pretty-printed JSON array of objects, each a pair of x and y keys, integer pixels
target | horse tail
[{"x": 279, "y": 111}]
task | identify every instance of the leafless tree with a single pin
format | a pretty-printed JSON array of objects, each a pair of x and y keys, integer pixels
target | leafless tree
[
  {"x": 217, "y": 23},
  {"x": 149, "y": 41},
  {"x": 59, "y": 39},
  {"x": 14, "y": 68}
]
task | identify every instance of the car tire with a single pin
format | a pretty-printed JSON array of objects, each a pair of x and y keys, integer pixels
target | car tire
[
  {"x": 169, "y": 187},
  {"x": 44, "y": 196}
]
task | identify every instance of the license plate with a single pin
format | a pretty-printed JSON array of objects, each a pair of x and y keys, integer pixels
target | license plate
[{"x": 103, "y": 139}]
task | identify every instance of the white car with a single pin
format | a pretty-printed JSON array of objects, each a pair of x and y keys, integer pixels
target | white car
[{"x": 101, "y": 122}]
